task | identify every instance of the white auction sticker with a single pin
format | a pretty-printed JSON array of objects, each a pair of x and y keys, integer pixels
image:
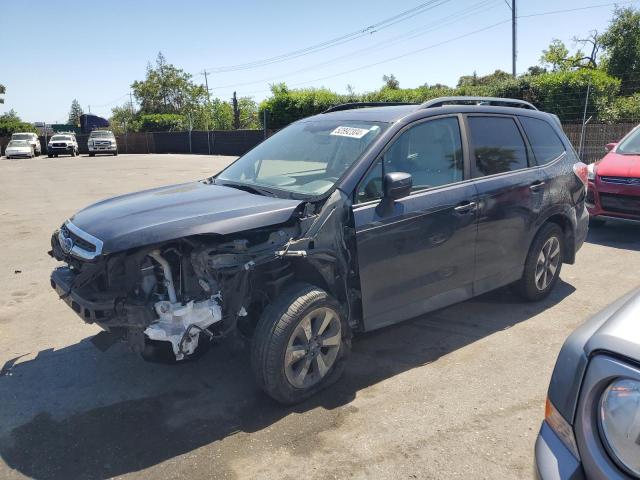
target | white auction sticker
[{"x": 350, "y": 132}]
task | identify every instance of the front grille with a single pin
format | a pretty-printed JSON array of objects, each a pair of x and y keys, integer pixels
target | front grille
[
  {"x": 622, "y": 180},
  {"x": 620, "y": 203},
  {"x": 59, "y": 144},
  {"x": 80, "y": 242}
]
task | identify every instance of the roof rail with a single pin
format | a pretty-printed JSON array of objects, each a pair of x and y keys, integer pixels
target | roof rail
[
  {"x": 353, "y": 105},
  {"x": 495, "y": 101}
]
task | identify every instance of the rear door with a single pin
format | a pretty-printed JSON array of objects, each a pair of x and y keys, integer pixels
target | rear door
[
  {"x": 510, "y": 192},
  {"x": 417, "y": 254}
]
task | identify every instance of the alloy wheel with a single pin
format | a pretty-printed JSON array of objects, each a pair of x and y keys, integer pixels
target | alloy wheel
[
  {"x": 313, "y": 347},
  {"x": 547, "y": 264}
]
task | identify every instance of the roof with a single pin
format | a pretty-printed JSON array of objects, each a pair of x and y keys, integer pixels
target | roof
[{"x": 436, "y": 106}]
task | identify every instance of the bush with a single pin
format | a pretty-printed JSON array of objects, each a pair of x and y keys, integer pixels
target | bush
[
  {"x": 562, "y": 93},
  {"x": 161, "y": 122},
  {"x": 622, "y": 109}
]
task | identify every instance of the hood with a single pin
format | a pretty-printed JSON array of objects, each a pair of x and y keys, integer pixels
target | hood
[
  {"x": 25, "y": 148},
  {"x": 175, "y": 211},
  {"x": 614, "y": 329},
  {"x": 618, "y": 165}
]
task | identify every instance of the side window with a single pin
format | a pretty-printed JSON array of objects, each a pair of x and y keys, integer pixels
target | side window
[
  {"x": 497, "y": 145},
  {"x": 545, "y": 143},
  {"x": 431, "y": 152}
]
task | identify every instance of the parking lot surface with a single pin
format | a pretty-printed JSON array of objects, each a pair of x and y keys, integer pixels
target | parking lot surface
[{"x": 455, "y": 394}]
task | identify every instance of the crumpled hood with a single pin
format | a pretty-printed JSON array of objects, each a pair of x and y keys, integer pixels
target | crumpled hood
[{"x": 175, "y": 211}]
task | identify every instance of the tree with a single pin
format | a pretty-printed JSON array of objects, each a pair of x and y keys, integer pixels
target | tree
[
  {"x": 74, "y": 113},
  {"x": 622, "y": 45},
  {"x": 473, "y": 80},
  {"x": 556, "y": 56},
  {"x": 167, "y": 89},
  {"x": 10, "y": 123},
  {"x": 594, "y": 42},
  {"x": 124, "y": 120},
  {"x": 536, "y": 70},
  {"x": 391, "y": 82}
]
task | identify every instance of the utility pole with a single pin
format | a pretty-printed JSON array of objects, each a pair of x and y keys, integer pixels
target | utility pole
[
  {"x": 236, "y": 112},
  {"x": 206, "y": 85},
  {"x": 90, "y": 107},
  {"x": 131, "y": 102},
  {"x": 514, "y": 37}
]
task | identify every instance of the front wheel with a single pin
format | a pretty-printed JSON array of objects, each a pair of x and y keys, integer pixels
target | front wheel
[
  {"x": 543, "y": 264},
  {"x": 300, "y": 344}
]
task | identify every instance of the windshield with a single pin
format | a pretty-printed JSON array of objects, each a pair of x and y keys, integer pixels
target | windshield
[
  {"x": 21, "y": 136},
  {"x": 307, "y": 157},
  {"x": 631, "y": 144},
  {"x": 18, "y": 143},
  {"x": 57, "y": 138},
  {"x": 101, "y": 134}
]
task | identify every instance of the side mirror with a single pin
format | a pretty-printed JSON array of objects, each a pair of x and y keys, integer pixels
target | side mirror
[
  {"x": 610, "y": 146},
  {"x": 397, "y": 185}
]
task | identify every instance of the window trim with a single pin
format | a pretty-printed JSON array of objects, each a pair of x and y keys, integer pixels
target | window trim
[
  {"x": 531, "y": 163},
  {"x": 564, "y": 147},
  {"x": 466, "y": 173}
]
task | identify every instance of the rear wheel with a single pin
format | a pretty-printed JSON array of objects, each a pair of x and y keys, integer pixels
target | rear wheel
[
  {"x": 300, "y": 344},
  {"x": 543, "y": 264}
]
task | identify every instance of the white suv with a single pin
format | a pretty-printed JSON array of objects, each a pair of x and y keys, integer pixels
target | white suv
[
  {"x": 102, "y": 141},
  {"x": 62, "y": 144},
  {"x": 32, "y": 138}
]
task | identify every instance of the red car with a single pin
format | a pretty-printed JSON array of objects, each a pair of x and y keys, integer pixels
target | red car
[{"x": 614, "y": 181}]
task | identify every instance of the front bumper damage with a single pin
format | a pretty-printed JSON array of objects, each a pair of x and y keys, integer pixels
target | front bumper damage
[{"x": 191, "y": 290}]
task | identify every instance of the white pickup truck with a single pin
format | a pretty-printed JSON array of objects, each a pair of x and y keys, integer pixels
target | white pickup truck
[{"x": 102, "y": 141}]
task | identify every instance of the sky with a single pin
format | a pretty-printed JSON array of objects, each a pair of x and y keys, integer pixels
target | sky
[{"x": 93, "y": 51}]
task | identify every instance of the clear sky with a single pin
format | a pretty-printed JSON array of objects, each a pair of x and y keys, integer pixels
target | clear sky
[{"x": 53, "y": 52}]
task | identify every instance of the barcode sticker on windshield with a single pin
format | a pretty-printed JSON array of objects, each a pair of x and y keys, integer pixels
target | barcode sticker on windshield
[{"x": 351, "y": 132}]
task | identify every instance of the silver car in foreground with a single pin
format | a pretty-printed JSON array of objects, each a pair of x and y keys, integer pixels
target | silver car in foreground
[
  {"x": 592, "y": 418},
  {"x": 19, "y": 148}
]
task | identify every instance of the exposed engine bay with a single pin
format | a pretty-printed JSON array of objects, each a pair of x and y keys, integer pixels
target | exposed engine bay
[{"x": 176, "y": 297}]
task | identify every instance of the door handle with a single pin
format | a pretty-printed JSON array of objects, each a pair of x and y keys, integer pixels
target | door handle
[
  {"x": 535, "y": 186},
  {"x": 466, "y": 207}
]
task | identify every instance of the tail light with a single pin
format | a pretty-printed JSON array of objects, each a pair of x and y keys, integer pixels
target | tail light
[{"x": 582, "y": 172}]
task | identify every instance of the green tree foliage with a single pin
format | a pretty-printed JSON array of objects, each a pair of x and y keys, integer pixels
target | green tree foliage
[
  {"x": 10, "y": 123},
  {"x": 167, "y": 89},
  {"x": 474, "y": 80},
  {"x": 622, "y": 45},
  {"x": 391, "y": 82},
  {"x": 124, "y": 120},
  {"x": 561, "y": 92},
  {"x": 162, "y": 122},
  {"x": 74, "y": 113},
  {"x": 622, "y": 109}
]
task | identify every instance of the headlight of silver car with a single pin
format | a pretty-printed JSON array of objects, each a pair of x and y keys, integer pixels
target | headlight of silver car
[{"x": 620, "y": 423}]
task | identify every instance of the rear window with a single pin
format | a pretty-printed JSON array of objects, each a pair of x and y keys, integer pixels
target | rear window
[
  {"x": 497, "y": 145},
  {"x": 544, "y": 140}
]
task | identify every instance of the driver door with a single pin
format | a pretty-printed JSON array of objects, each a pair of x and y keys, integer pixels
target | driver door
[{"x": 417, "y": 254}]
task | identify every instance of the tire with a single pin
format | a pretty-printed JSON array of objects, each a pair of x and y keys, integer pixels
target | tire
[
  {"x": 596, "y": 222},
  {"x": 49, "y": 155},
  {"x": 115, "y": 154},
  {"x": 92, "y": 154},
  {"x": 286, "y": 365},
  {"x": 535, "y": 283}
]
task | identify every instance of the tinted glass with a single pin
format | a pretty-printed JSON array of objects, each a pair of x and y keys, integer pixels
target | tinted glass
[
  {"x": 431, "y": 152},
  {"x": 545, "y": 143},
  {"x": 497, "y": 145}
]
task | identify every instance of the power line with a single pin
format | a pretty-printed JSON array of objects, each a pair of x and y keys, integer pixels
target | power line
[
  {"x": 422, "y": 30},
  {"x": 371, "y": 29},
  {"x": 412, "y": 52}
]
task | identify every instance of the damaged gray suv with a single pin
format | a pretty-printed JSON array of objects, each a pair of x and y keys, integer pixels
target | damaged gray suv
[{"x": 343, "y": 222}]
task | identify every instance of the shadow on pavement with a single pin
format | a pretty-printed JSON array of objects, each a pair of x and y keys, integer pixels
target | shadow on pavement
[
  {"x": 79, "y": 413},
  {"x": 617, "y": 234}
]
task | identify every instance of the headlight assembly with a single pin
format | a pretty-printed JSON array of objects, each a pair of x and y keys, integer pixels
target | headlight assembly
[
  {"x": 591, "y": 172},
  {"x": 619, "y": 416}
]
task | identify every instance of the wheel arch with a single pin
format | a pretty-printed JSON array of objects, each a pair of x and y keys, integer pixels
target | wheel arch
[{"x": 566, "y": 225}]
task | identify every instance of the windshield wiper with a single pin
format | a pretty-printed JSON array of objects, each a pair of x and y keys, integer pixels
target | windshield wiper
[{"x": 248, "y": 188}]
